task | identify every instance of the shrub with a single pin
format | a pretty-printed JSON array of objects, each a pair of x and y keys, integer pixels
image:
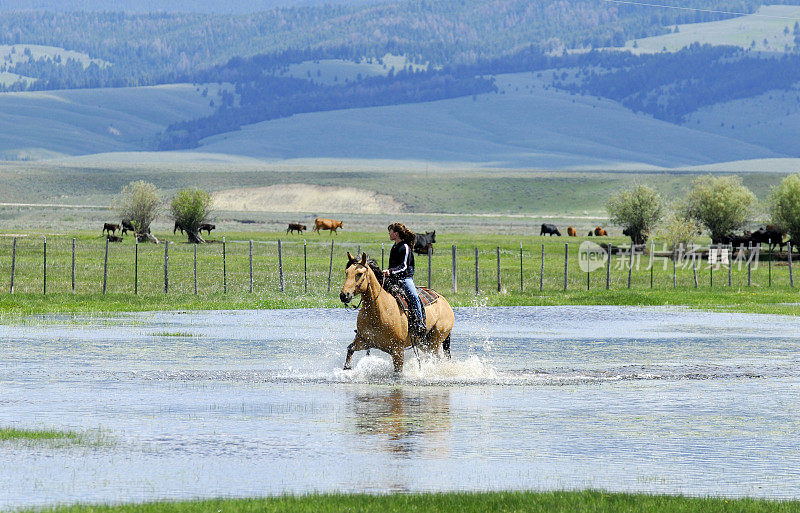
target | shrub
[
  {"x": 677, "y": 230},
  {"x": 139, "y": 203},
  {"x": 721, "y": 204},
  {"x": 637, "y": 209},
  {"x": 190, "y": 208}
]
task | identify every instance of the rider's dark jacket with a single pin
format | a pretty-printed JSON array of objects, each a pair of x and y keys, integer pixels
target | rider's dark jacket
[{"x": 401, "y": 261}]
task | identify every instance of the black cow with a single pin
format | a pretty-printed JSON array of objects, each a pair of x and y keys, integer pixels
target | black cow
[
  {"x": 423, "y": 241},
  {"x": 177, "y": 227},
  {"x": 296, "y": 227},
  {"x": 114, "y": 238},
  {"x": 769, "y": 235},
  {"x": 127, "y": 226},
  {"x": 110, "y": 228},
  {"x": 636, "y": 236},
  {"x": 735, "y": 240},
  {"x": 207, "y": 227},
  {"x": 549, "y": 229}
]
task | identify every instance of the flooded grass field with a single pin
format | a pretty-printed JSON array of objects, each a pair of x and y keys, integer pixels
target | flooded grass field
[{"x": 253, "y": 403}]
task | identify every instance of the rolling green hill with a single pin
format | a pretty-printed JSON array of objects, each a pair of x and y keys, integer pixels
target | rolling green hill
[
  {"x": 526, "y": 125},
  {"x": 46, "y": 124}
]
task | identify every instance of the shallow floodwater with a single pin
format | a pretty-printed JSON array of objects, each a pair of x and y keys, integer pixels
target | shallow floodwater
[{"x": 252, "y": 403}]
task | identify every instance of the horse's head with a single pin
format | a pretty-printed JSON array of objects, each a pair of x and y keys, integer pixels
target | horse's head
[{"x": 356, "y": 278}]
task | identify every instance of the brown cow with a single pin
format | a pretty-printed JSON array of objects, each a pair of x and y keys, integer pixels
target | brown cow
[
  {"x": 110, "y": 227},
  {"x": 207, "y": 227},
  {"x": 571, "y": 231},
  {"x": 326, "y": 224},
  {"x": 296, "y": 227},
  {"x": 114, "y": 238},
  {"x": 600, "y": 232}
]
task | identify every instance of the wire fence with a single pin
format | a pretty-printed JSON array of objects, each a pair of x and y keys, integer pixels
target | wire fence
[{"x": 64, "y": 265}]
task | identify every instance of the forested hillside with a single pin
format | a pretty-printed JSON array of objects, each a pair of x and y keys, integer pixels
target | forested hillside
[{"x": 146, "y": 49}]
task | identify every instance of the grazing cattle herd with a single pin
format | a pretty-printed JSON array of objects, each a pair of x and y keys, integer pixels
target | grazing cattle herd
[{"x": 424, "y": 241}]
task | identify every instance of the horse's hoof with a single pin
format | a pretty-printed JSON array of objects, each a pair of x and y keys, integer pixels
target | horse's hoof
[{"x": 347, "y": 367}]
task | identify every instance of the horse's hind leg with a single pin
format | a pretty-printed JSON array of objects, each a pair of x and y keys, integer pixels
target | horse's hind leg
[{"x": 446, "y": 347}]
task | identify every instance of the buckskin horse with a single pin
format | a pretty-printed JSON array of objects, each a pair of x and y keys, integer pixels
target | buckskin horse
[{"x": 381, "y": 324}]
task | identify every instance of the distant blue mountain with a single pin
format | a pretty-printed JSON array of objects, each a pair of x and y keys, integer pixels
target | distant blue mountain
[{"x": 146, "y": 6}]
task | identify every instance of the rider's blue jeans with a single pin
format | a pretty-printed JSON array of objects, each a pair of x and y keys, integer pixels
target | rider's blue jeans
[{"x": 413, "y": 297}]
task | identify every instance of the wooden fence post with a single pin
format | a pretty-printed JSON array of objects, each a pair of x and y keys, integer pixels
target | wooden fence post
[
  {"x": 476, "y": 269},
  {"x": 730, "y": 261},
  {"x": 711, "y": 267},
  {"x": 749, "y": 262},
  {"x": 791, "y": 276},
  {"x": 652, "y": 261},
  {"x": 251, "y": 266},
  {"x": 608, "y": 267},
  {"x": 381, "y": 255},
  {"x": 541, "y": 272},
  {"x": 136, "y": 267},
  {"x": 674, "y": 263},
  {"x": 13, "y": 262},
  {"x": 194, "y": 268},
  {"x": 44, "y": 267},
  {"x": 305, "y": 267},
  {"x": 280, "y": 263},
  {"x": 430, "y": 261},
  {"x": 166, "y": 266},
  {"x": 630, "y": 263},
  {"x": 770, "y": 261},
  {"x": 454, "y": 250},
  {"x": 694, "y": 266},
  {"x": 73, "y": 265},
  {"x": 566, "y": 260},
  {"x": 498, "y": 269},
  {"x": 330, "y": 269},
  {"x": 224, "y": 269},
  {"x": 105, "y": 268},
  {"x": 521, "y": 281}
]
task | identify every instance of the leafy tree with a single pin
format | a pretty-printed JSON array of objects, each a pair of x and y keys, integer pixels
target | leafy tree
[
  {"x": 721, "y": 204},
  {"x": 678, "y": 230},
  {"x": 190, "y": 208},
  {"x": 637, "y": 209},
  {"x": 139, "y": 203},
  {"x": 784, "y": 206}
]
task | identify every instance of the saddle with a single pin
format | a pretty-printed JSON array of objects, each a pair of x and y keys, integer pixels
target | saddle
[{"x": 426, "y": 297}]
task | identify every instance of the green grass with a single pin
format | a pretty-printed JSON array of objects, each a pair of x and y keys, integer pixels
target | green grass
[
  {"x": 306, "y": 285},
  {"x": 38, "y": 434},
  {"x": 573, "y": 502},
  {"x": 55, "y": 437}
]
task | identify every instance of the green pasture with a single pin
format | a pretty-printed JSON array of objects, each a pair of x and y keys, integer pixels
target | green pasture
[
  {"x": 138, "y": 282},
  {"x": 441, "y": 190},
  {"x": 574, "y": 502}
]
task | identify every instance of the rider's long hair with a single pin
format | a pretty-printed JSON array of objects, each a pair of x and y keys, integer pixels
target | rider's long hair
[{"x": 406, "y": 235}]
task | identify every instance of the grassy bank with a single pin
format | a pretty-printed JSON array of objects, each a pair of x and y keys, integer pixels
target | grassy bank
[
  {"x": 297, "y": 275},
  {"x": 574, "y": 502}
]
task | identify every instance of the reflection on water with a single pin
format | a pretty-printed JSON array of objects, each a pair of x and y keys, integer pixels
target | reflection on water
[
  {"x": 401, "y": 420},
  {"x": 251, "y": 403}
]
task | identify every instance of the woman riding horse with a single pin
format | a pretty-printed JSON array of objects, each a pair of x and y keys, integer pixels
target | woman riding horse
[
  {"x": 382, "y": 325},
  {"x": 401, "y": 272}
]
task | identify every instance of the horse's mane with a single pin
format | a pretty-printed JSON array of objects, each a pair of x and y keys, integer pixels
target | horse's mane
[{"x": 373, "y": 264}]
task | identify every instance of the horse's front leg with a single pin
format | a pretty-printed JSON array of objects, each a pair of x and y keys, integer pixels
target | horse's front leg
[{"x": 358, "y": 344}]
